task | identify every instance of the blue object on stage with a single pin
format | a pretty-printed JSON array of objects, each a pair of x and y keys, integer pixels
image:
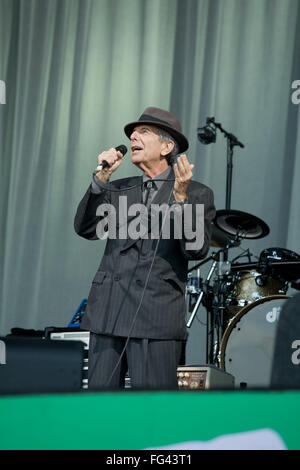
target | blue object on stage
[{"x": 77, "y": 318}]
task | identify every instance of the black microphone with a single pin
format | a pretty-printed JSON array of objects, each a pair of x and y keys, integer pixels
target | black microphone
[
  {"x": 104, "y": 164},
  {"x": 207, "y": 134}
]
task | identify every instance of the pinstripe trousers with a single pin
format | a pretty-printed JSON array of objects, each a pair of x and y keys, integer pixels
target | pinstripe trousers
[{"x": 152, "y": 364}]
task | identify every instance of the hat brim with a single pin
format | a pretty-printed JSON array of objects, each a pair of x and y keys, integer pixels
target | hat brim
[{"x": 180, "y": 138}]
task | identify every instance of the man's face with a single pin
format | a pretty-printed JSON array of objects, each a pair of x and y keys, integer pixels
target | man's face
[{"x": 146, "y": 148}]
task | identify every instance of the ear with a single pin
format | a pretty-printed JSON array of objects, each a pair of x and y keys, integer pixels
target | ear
[{"x": 167, "y": 147}]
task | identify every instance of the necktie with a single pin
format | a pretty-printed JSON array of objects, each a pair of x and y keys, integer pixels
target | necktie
[
  {"x": 147, "y": 195},
  {"x": 148, "y": 192}
]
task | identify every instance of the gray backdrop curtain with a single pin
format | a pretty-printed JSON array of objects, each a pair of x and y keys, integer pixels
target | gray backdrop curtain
[{"x": 77, "y": 70}]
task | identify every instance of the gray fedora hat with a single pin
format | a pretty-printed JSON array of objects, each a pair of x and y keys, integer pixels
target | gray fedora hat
[{"x": 160, "y": 118}]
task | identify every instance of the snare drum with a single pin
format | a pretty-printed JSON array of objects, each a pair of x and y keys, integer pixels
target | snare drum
[{"x": 247, "y": 346}]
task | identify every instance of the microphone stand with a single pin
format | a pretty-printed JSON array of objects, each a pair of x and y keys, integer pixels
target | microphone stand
[
  {"x": 207, "y": 135},
  {"x": 232, "y": 141}
]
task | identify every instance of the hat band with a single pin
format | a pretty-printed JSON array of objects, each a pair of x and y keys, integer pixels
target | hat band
[{"x": 147, "y": 117}]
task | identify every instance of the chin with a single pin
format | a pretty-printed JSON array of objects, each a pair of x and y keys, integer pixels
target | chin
[{"x": 136, "y": 159}]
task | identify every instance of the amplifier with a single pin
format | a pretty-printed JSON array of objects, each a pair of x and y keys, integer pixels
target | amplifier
[
  {"x": 37, "y": 365},
  {"x": 78, "y": 335},
  {"x": 205, "y": 377},
  {"x": 68, "y": 334}
]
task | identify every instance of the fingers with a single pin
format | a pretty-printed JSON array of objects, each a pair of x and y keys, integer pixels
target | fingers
[
  {"x": 120, "y": 154},
  {"x": 116, "y": 165},
  {"x": 110, "y": 156},
  {"x": 114, "y": 160},
  {"x": 183, "y": 169}
]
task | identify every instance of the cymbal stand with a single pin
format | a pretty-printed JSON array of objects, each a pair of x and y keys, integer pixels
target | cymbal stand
[
  {"x": 208, "y": 277},
  {"x": 212, "y": 317},
  {"x": 215, "y": 310},
  {"x": 209, "y": 330},
  {"x": 221, "y": 289}
]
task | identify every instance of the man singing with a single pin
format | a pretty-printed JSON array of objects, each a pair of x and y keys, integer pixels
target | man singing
[{"x": 136, "y": 306}]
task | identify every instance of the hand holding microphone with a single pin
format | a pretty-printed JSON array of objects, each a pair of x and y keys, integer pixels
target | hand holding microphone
[{"x": 109, "y": 161}]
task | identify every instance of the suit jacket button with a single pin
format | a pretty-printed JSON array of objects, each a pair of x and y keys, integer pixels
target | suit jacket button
[
  {"x": 117, "y": 278},
  {"x": 139, "y": 282}
]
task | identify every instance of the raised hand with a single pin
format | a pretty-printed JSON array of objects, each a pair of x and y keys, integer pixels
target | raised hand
[{"x": 183, "y": 175}]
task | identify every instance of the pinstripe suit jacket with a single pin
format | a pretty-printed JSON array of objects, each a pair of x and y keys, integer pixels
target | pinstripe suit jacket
[{"x": 118, "y": 284}]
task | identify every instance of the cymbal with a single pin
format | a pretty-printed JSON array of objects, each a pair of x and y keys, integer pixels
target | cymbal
[
  {"x": 219, "y": 239},
  {"x": 245, "y": 225}
]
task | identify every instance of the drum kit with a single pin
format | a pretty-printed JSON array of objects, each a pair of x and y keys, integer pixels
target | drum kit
[{"x": 242, "y": 300}]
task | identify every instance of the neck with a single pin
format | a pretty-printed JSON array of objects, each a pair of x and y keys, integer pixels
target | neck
[{"x": 152, "y": 171}]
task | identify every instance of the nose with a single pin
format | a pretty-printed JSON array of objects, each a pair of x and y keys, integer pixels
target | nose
[{"x": 134, "y": 134}]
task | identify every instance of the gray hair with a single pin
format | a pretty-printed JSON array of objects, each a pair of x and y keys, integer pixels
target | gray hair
[{"x": 164, "y": 136}]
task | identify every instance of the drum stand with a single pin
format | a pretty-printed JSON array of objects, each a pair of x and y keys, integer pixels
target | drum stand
[
  {"x": 214, "y": 299},
  {"x": 204, "y": 291}
]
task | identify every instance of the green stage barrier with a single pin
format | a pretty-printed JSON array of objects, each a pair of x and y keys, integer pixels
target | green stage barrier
[{"x": 139, "y": 420}]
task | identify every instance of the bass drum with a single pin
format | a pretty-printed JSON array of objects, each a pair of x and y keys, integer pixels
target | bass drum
[{"x": 247, "y": 346}]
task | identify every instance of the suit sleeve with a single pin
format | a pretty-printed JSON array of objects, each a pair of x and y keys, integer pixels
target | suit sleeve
[
  {"x": 198, "y": 221},
  {"x": 86, "y": 220}
]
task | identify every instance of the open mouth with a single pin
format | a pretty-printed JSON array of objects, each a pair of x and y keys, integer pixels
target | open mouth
[{"x": 136, "y": 149}]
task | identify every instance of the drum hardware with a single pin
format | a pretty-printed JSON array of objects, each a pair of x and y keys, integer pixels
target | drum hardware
[
  {"x": 281, "y": 263},
  {"x": 221, "y": 288},
  {"x": 193, "y": 289},
  {"x": 278, "y": 254},
  {"x": 223, "y": 292},
  {"x": 245, "y": 254},
  {"x": 261, "y": 280},
  {"x": 238, "y": 286},
  {"x": 213, "y": 298},
  {"x": 287, "y": 270},
  {"x": 201, "y": 293}
]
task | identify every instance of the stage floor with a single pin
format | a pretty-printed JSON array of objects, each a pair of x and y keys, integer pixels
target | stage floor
[{"x": 140, "y": 420}]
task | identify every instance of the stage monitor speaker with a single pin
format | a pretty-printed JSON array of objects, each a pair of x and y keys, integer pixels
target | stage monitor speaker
[
  {"x": 34, "y": 365},
  {"x": 286, "y": 358}
]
